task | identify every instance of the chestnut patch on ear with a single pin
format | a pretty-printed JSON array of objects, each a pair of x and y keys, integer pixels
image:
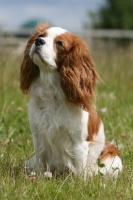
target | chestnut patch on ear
[
  {"x": 29, "y": 71},
  {"x": 78, "y": 76}
]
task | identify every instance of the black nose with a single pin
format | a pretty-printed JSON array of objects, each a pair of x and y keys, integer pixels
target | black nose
[{"x": 39, "y": 41}]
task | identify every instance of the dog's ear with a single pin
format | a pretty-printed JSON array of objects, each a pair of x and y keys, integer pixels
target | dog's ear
[
  {"x": 78, "y": 76},
  {"x": 29, "y": 71}
]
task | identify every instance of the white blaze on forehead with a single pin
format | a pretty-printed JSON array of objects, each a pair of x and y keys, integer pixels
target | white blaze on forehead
[{"x": 55, "y": 31}]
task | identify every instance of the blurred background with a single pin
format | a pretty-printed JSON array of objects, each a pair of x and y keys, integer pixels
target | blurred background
[
  {"x": 69, "y": 14},
  {"x": 103, "y": 23}
]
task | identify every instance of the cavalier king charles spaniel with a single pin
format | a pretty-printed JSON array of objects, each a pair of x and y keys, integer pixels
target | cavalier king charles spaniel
[{"x": 60, "y": 78}]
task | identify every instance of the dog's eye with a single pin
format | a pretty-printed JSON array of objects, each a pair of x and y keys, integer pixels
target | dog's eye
[
  {"x": 59, "y": 43},
  {"x": 41, "y": 35}
]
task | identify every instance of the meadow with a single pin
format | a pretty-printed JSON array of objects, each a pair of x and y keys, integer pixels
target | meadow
[{"x": 115, "y": 106}]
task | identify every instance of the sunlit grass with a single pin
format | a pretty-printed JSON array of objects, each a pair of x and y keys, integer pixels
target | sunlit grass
[{"x": 115, "y": 105}]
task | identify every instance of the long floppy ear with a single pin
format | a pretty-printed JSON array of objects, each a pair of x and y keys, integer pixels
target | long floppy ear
[
  {"x": 29, "y": 71},
  {"x": 78, "y": 76}
]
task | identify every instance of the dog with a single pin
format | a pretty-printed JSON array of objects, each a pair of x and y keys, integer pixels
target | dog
[{"x": 58, "y": 74}]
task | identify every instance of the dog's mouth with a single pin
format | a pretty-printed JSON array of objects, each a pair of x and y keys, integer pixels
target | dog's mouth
[
  {"x": 37, "y": 51},
  {"x": 36, "y": 55}
]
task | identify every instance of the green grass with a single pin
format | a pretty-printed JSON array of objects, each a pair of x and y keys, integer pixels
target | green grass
[{"x": 115, "y": 105}]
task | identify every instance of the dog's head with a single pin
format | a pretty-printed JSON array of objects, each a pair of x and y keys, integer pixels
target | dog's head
[{"x": 52, "y": 49}]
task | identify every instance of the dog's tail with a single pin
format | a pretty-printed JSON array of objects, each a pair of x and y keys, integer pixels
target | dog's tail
[{"x": 111, "y": 159}]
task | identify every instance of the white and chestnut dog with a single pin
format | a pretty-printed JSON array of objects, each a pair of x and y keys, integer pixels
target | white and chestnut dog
[{"x": 59, "y": 75}]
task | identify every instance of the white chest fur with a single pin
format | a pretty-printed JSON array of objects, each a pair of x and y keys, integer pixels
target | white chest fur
[{"x": 59, "y": 129}]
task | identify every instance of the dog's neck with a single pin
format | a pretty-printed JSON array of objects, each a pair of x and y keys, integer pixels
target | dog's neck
[
  {"x": 47, "y": 84},
  {"x": 49, "y": 77}
]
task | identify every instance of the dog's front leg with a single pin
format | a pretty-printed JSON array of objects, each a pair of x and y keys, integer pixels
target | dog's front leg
[{"x": 37, "y": 162}]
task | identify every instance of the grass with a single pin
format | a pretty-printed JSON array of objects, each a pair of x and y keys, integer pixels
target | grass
[{"x": 114, "y": 102}]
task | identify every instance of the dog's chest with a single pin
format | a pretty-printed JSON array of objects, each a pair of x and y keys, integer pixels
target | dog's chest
[{"x": 53, "y": 117}]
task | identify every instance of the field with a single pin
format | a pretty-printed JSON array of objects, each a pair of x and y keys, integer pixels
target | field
[{"x": 115, "y": 105}]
